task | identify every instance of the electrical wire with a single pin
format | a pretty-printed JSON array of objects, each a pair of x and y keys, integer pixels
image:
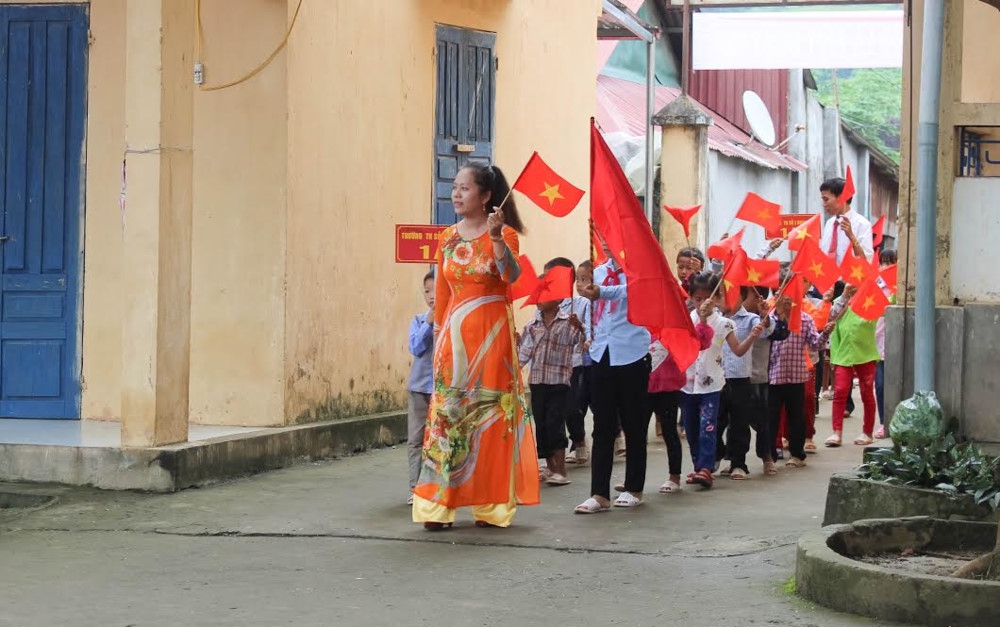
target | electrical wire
[{"x": 251, "y": 73}]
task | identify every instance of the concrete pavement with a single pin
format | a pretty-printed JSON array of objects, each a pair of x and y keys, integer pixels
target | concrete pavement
[{"x": 331, "y": 543}]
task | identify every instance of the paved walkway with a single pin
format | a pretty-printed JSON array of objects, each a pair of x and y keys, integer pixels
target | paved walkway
[{"x": 331, "y": 543}]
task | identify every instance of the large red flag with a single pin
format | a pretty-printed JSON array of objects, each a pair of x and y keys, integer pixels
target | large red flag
[
  {"x": 869, "y": 302},
  {"x": 811, "y": 228},
  {"x": 878, "y": 231},
  {"x": 722, "y": 249},
  {"x": 527, "y": 282},
  {"x": 547, "y": 189},
  {"x": 655, "y": 299},
  {"x": 760, "y": 211},
  {"x": 816, "y": 266},
  {"x": 683, "y": 216},
  {"x": 555, "y": 284},
  {"x": 849, "y": 190},
  {"x": 856, "y": 270}
]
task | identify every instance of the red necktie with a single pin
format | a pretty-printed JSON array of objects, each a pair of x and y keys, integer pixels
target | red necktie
[
  {"x": 835, "y": 240},
  {"x": 611, "y": 279}
]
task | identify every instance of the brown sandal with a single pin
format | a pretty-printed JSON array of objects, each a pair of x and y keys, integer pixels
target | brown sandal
[{"x": 437, "y": 526}]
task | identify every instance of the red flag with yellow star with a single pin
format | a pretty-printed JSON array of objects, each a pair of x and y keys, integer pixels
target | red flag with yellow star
[
  {"x": 555, "y": 284},
  {"x": 760, "y": 211},
  {"x": 869, "y": 302},
  {"x": 763, "y": 272},
  {"x": 856, "y": 270},
  {"x": 815, "y": 265},
  {"x": 796, "y": 292},
  {"x": 878, "y": 231},
  {"x": 734, "y": 276},
  {"x": 547, "y": 189},
  {"x": 811, "y": 228}
]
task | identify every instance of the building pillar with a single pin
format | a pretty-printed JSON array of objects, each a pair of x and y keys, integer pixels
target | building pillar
[
  {"x": 683, "y": 171},
  {"x": 156, "y": 228}
]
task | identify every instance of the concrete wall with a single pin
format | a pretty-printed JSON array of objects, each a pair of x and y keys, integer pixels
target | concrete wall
[
  {"x": 976, "y": 224},
  {"x": 729, "y": 181},
  {"x": 967, "y": 359},
  {"x": 361, "y": 114}
]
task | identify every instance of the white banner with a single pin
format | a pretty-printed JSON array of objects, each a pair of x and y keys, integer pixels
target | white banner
[{"x": 801, "y": 39}]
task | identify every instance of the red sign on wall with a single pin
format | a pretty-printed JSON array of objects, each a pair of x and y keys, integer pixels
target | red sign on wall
[
  {"x": 788, "y": 222},
  {"x": 417, "y": 243}
]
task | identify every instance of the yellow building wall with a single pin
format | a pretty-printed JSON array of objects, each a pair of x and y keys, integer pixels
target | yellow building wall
[
  {"x": 361, "y": 115},
  {"x": 238, "y": 247},
  {"x": 240, "y": 154},
  {"x": 102, "y": 297},
  {"x": 980, "y": 53}
]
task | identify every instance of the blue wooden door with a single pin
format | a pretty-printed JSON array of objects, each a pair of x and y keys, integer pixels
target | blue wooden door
[
  {"x": 43, "y": 83},
  {"x": 466, "y": 92}
]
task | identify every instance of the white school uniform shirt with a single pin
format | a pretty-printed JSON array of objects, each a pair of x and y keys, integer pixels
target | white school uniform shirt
[
  {"x": 862, "y": 232},
  {"x": 707, "y": 374}
]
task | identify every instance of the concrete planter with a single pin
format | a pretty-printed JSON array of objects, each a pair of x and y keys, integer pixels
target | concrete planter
[
  {"x": 828, "y": 573},
  {"x": 850, "y": 498}
]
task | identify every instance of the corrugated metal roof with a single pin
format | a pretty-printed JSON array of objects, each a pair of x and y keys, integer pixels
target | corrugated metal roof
[
  {"x": 621, "y": 106},
  {"x": 723, "y": 91}
]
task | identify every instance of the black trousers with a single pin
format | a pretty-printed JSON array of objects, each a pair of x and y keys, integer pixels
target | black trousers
[
  {"x": 760, "y": 420},
  {"x": 620, "y": 395},
  {"x": 580, "y": 392},
  {"x": 792, "y": 397},
  {"x": 549, "y": 404},
  {"x": 734, "y": 408},
  {"x": 665, "y": 407}
]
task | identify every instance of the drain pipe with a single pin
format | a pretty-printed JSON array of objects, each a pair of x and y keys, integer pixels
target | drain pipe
[{"x": 927, "y": 168}]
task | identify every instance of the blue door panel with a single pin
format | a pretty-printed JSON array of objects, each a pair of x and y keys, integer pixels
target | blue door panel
[
  {"x": 464, "y": 107},
  {"x": 43, "y": 52}
]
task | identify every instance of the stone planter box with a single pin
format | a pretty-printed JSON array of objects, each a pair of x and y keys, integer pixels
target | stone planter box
[
  {"x": 850, "y": 498},
  {"x": 828, "y": 573}
]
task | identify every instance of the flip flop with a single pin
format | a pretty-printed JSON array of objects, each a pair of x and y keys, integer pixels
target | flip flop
[
  {"x": 833, "y": 441},
  {"x": 590, "y": 506},
  {"x": 770, "y": 468},
  {"x": 864, "y": 440},
  {"x": 627, "y": 499},
  {"x": 670, "y": 488},
  {"x": 738, "y": 474}
]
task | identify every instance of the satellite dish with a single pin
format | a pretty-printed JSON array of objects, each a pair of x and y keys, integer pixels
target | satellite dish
[{"x": 761, "y": 125}]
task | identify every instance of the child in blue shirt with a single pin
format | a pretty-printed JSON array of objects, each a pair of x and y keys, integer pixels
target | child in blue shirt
[{"x": 421, "y": 381}]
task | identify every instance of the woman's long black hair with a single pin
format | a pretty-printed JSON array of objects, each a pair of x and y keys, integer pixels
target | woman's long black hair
[{"x": 490, "y": 178}]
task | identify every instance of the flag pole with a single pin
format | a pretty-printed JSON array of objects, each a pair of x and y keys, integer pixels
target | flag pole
[{"x": 725, "y": 270}]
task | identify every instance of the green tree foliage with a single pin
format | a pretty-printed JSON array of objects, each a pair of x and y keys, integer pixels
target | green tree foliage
[{"x": 870, "y": 101}]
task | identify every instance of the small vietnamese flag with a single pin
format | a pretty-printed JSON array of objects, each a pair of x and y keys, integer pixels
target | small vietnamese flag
[
  {"x": 763, "y": 272},
  {"x": 811, "y": 228},
  {"x": 795, "y": 291},
  {"x": 526, "y": 283},
  {"x": 869, "y": 302},
  {"x": 555, "y": 284},
  {"x": 878, "y": 231},
  {"x": 683, "y": 216},
  {"x": 723, "y": 248},
  {"x": 759, "y": 211},
  {"x": 856, "y": 270},
  {"x": 849, "y": 190},
  {"x": 816, "y": 266},
  {"x": 890, "y": 277},
  {"x": 547, "y": 189},
  {"x": 733, "y": 276}
]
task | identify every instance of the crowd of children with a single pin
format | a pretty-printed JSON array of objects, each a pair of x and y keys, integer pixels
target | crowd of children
[{"x": 753, "y": 374}]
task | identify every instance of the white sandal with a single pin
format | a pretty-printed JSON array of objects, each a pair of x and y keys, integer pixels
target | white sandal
[
  {"x": 627, "y": 499},
  {"x": 670, "y": 488},
  {"x": 590, "y": 506}
]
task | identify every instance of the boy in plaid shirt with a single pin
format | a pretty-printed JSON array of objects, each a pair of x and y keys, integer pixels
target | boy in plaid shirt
[
  {"x": 547, "y": 343},
  {"x": 788, "y": 374}
]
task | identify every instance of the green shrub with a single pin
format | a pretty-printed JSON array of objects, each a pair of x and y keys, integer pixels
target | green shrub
[{"x": 945, "y": 464}]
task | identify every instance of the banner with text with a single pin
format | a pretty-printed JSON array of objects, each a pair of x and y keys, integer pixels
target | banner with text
[{"x": 417, "y": 243}]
